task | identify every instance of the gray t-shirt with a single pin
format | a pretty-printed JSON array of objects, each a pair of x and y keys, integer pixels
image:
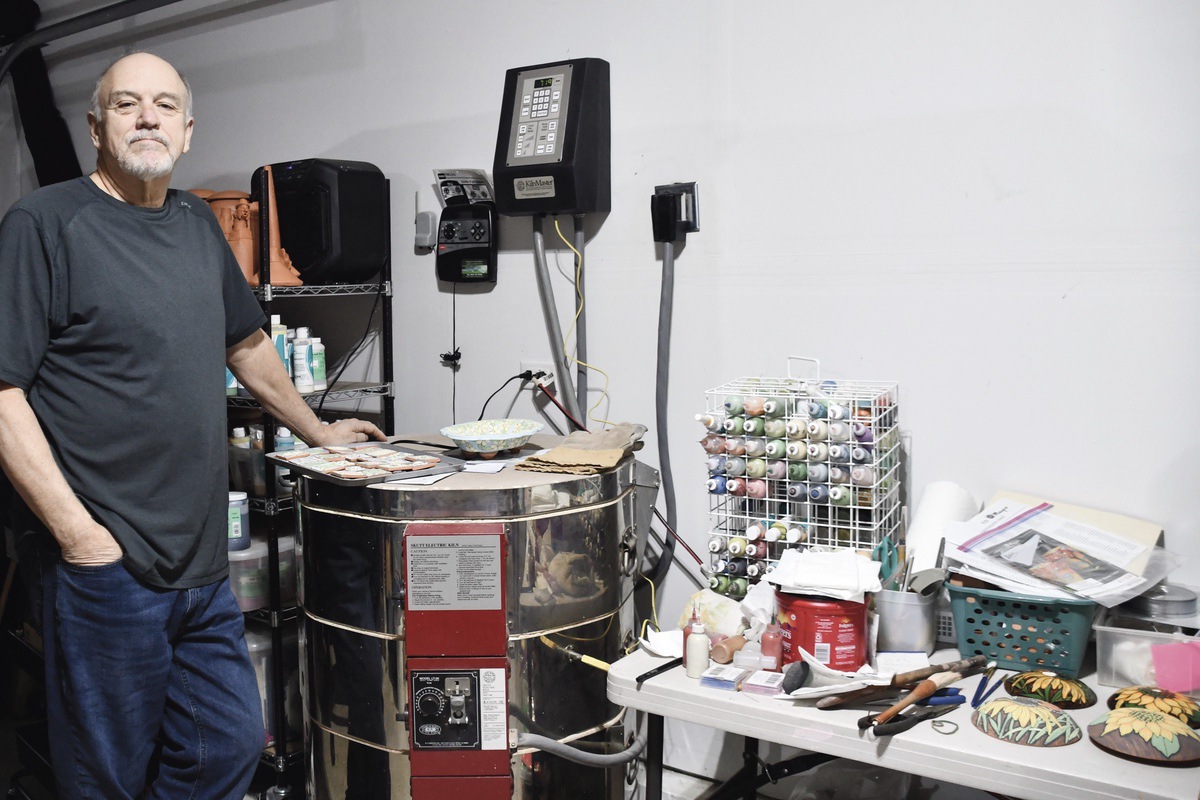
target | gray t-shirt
[{"x": 114, "y": 320}]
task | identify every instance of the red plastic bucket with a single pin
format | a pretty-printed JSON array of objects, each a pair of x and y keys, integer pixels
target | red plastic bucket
[{"x": 833, "y": 631}]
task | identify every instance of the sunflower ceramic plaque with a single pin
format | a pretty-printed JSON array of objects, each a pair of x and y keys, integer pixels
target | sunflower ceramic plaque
[
  {"x": 1177, "y": 705},
  {"x": 1025, "y": 720},
  {"x": 1143, "y": 734},
  {"x": 1043, "y": 684}
]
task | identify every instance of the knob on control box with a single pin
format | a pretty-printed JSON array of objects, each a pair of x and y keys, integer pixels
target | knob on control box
[{"x": 467, "y": 243}]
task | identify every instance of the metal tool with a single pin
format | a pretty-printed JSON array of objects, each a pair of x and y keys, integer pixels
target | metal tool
[
  {"x": 925, "y": 688},
  {"x": 911, "y": 719},
  {"x": 949, "y": 696},
  {"x": 966, "y": 666}
]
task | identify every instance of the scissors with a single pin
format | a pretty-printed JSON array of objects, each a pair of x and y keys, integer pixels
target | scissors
[{"x": 888, "y": 555}]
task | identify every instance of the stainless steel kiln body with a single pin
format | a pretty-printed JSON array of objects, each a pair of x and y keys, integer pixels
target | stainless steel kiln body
[{"x": 573, "y": 545}]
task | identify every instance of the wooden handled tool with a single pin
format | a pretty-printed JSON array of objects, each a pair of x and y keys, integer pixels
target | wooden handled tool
[
  {"x": 966, "y": 666},
  {"x": 924, "y": 689}
]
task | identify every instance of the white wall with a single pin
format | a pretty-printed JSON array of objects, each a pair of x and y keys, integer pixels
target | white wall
[{"x": 995, "y": 204}]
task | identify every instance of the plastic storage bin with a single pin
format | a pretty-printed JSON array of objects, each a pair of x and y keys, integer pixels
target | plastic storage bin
[
  {"x": 258, "y": 641},
  {"x": 248, "y": 573},
  {"x": 1022, "y": 632},
  {"x": 1124, "y": 656}
]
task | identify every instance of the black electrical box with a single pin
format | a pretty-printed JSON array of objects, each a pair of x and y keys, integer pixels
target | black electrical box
[
  {"x": 553, "y": 150},
  {"x": 467, "y": 243},
  {"x": 333, "y": 218}
]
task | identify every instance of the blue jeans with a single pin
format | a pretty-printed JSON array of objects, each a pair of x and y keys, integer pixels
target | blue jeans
[{"x": 150, "y": 692}]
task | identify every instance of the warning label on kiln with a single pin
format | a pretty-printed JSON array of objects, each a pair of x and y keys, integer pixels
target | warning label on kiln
[{"x": 453, "y": 572}]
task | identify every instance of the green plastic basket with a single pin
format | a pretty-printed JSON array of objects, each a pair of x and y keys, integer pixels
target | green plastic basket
[{"x": 1022, "y": 632}]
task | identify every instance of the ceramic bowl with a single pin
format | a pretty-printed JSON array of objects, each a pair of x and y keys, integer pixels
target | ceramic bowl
[{"x": 490, "y": 436}]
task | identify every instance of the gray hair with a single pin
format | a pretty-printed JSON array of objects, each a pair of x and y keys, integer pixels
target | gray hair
[{"x": 97, "y": 110}]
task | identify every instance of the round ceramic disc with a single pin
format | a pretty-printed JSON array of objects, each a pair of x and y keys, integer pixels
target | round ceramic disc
[
  {"x": 1145, "y": 735},
  {"x": 1177, "y": 705},
  {"x": 1025, "y": 720},
  {"x": 1042, "y": 684}
]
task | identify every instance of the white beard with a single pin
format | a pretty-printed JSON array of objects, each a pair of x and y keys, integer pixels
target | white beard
[{"x": 146, "y": 163}]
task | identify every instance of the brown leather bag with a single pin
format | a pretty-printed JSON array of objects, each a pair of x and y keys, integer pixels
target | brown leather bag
[{"x": 238, "y": 217}]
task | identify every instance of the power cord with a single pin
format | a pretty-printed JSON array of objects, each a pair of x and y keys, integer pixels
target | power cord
[{"x": 527, "y": 375}]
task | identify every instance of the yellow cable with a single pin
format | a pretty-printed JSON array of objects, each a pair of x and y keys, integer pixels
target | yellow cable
[
  {"x": 589, "y": 660},
  {"x": 574, "y": 321}
]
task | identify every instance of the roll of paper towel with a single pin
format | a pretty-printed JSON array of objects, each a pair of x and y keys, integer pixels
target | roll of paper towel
[{"x": 941, "y": 502}]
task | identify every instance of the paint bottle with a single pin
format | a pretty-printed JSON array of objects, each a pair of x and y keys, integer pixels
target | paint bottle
[
  {"x": 756, "y": 488},
  {"x": 736, "y": 487},
  {"x": 863, "y": 433},
  {"x": 756, "y": 569},
  {"x": 818, "y": 493},
  {"x": 756, "y": 550},
  {"x": 798, "y": 470},
  {"x": 777, "y": 470},
  {"x": 735, "y": 425},
  {"x": 862, "y": 476},
  {"x": 839, "y": 474},
  {"x": 736, "y": 545},
  {"x": 239, "y": 438},
  {"x": 772, "y": 646},
  {"x": 774, "y": 428},
  {"x": 756, "y": 447},
  {"x": 818, "y": 452},
  {"x": 818, "y": 430},
  {"x": 735, "y": 467},
  {"x": 776, "y": 531},
  {"x": 716, "y": 464},
  {"x": 717, "y": 484},
  {"x": 713, "y": 443},
  {"x": 738, "y": 588},
  {"x": 753, "y": 406},
  {"x": 796, "y": 534},
  {"x": 733, "y": 404},
  {"x": 756, "y": 468},
  {"x": 837, "y": 411},
  {"x": 776, "y": 448},
  {"x": 860, "y": 455},
  {"x": 775, "y": 407},
  {"x": 753, "y": 426},
  {"x": 839, "y": 453},
  {"x": 818, "y": 408},
  {"x": 720, "y": 565},
  {"x": 712, "y": 422},
  {"x": 796, "y": 428},
  {"x": 716, "y": 544},
  {"x": 755, "y": 530},
  {"x": 735, "y": 446},
  {"x": 797, "y": 450},
  {"x": 818, "y": 473},
  {"x": 736, "y": 567},
  {"x": 719, "y": 583},
  {"x": 840, "y": 431},
  {"x": 840, "y": 495},
  {"x": 320, "y": 382},
  {"x": 797, "y": 490}
]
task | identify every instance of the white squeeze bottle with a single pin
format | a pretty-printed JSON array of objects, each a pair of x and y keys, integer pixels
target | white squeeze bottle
[
  {"x": 239, "y": 438},
  {"x": 301, "y": 362},
  {"x": 318, "y": 364},
  {"x": 279, "y": 337},
  {"x": 698, "y": 650}
]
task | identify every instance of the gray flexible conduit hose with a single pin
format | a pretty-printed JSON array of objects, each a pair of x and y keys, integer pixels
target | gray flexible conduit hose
[{"x": 563, "y": 750}]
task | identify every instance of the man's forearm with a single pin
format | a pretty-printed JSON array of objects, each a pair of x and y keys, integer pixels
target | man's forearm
[{"x": 27, "y": 460}]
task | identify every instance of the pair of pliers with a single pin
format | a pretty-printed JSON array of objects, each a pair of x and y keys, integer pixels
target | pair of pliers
[{"x": 909, "y": 719}]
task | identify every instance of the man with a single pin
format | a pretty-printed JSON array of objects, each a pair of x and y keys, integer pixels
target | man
[{"x": 120, "y": 306}]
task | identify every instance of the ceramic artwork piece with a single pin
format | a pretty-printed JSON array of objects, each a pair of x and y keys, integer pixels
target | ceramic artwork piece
[
  {"x": 487, "y": 437},
  {"x": 1177, "y": 705},
  {"x": 1044, "y": 684},
  {"x": 1143, "y": 734},
  {"x": 1027, "y": 721}
]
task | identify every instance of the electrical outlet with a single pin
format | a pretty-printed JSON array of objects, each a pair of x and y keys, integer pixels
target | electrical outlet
[{"x": 535, "y": 367}]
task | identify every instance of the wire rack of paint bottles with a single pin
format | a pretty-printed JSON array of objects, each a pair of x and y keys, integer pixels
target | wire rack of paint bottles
[{"x": 797, "y": 464}]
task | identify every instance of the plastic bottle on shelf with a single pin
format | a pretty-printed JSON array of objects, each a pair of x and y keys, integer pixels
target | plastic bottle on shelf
[
  {"x": 279, "y": 337},
  {"x": 301, "y": 362},
  {"x": 239, "y": 438},
  {"x": 696, "y": 648},
  {"x": 772, "y": 645},
  {"x": 320, "y": 382},
  {"x": 284, "y": 441}
]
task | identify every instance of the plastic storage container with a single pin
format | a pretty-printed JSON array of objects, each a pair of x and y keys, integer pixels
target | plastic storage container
[
  {"x": 258, "y": 641},
  {"x": 1022, "y": 632},
  {"x": 248, "y": 573},
  {"x": 1125, "y": 655},
  {"x": 247, "y": 470}
]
